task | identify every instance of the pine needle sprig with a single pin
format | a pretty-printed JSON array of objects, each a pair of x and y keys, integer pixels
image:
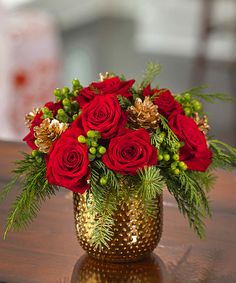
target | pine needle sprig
[
  {"x": 199, "y": 92},
  {"x": 152, "y": 70},
  {"x": 151, "y": 186},
  {"x": 31, "y": 176},
  {"x": 124, "y": 102}
]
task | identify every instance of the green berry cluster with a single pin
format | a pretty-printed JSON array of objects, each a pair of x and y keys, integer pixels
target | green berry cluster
[
  {"x": 95, "y": 150},
  {"x": 47, "y": 113},
  {"x": 190, "y": 105}
]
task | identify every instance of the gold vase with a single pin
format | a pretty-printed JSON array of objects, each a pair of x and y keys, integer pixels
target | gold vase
[{"x": 136, "y": 234}]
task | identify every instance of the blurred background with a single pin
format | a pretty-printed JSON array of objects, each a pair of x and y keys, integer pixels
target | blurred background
[{"x": 46, "y": 43}]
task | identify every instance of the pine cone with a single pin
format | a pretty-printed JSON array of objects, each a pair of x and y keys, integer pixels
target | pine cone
[
  {"x": 30, "y": 117},
  {"x": 47, "y": 133},
  {"x": 202, "y": 123},
  {"x": 143, "y": 114}
]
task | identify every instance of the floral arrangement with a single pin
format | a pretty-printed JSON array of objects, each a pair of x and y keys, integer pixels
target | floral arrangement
[{"x": 114, "y": 139}]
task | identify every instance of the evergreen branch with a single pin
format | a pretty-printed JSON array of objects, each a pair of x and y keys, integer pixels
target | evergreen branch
[
  {"x": 35, "y": 190},
  {"x": 124, "y": 102},
  {"x": 191, "y": 200},
  {"x": 150, "y": 188},
  {"x": 208, "y": 97},
  {"x": 206, "y": 180},
  {"x": 152, "y": 70}
]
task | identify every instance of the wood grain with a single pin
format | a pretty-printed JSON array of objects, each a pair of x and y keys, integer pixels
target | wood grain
[{"x": 48, "y": 251}]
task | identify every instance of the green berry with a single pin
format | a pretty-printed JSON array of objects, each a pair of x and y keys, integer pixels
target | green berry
[
  {"x": 57, "y": 92},
  {"x": 98, "y": 155},
  {"x": 166, "y": 156},
  {"x": 183, "y": 166},
  {"x": 75, "y": 116},
  {"x": 91, "y": 134},
  {"x": 65, "y": 90},
  {"x": 61, "y": 112},
  {"x": 102, "y": 149},
  {"x": 160, "y": 157},
  {"x": 197, "y": 106},
  {"x": 187, "y": 111},
  {"x": 66, "y": 102},
  {"x": 81, "y": 139},
  {"x": 92, "y": 150},
  {"x": 76, "y": 83},
  {"x": 187, "y": 96},
  {"x": 175, "y": 157},
  {"x": 94, "y": 144},
  {"x": 91, "y": 157},
  {"x": 103, "y": 181},
  {"x": 34, "y": 153},
  {"x": 173, "y": 165},
  {"x": 176, "y": 171}
]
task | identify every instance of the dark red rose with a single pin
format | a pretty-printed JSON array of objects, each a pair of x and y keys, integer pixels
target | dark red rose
[
  {"x": 129, "y": 152},
  {"x": 68, "y": 163},
  {"x": 147, "y": 91},
  {"x": 104, "y": 114},
  {"x": 166, "y": 103},
  {"x": 109, "y": 86},
  {"x": 29, "y": 138},
  {"x": 195, "y": 152}
]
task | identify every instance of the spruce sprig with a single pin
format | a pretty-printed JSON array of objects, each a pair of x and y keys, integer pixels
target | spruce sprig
[
  {"x": 199, "y": 92},
  {"x": 152, "y": 70},
  {"x": 31, "y": 176}
]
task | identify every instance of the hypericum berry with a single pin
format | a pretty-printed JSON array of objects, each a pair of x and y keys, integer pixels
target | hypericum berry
[
  {"x": 183, "y": 166},
  {"x": 187, "y": 96},
  {"x": 75, "y": 116},
  {"x": 197, "y": 106},
  {"x": 176, "y": 171},
  {"x": 57, "y": 92},
  {"x": 76, "y": 83},
  {"x": 92, "y": 150},
  {"x": 102, "y": 150},
  {"x": 175, "y": 157},
  {"x": 66, "y": 102},
  {"x": 81, "y": 139},
  {"x": 91, "y": 134},
  {"x": 98, "y": 155},
  {"x": 166, "y": 156},
  {"x": 65, "y": 90},
  {"x": 94, "y": 144},
  {"x": 160, "y": 157},
  {"x": 187, "y": 111},
  {"x": 103, "y": 181},
  {"x": 34, "y": 153}
]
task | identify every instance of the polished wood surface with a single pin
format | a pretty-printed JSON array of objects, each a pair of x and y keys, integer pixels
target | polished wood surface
[{"x": 48, "y": 251}]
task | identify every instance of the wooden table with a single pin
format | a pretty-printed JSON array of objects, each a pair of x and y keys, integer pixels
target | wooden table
[{"x": 48, "y": 251}]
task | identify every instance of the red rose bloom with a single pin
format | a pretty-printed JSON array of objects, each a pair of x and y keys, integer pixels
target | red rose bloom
[
  {"x": 147, "y": 91},
  {"x": 195, "y": 152},
  {"x": 68, "y": 163},
  {"x": 104, "y": 114},
  {"x": 166, "y": 103},
  {"x": 108, "y": 86},
  {"x": 29, "y": 138},
  {"x": 129, "y": 152}
]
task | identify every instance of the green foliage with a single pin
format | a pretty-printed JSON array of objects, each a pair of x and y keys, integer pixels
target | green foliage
[
  {"x": 30, "y": 174},
  {"x": 199, "y": 92},
  {"x": 124, "y": 102},
  {"x": 152, "y": 70},
  {"x": 224, "y": 155},
  {"x": 191, "y": 199}
]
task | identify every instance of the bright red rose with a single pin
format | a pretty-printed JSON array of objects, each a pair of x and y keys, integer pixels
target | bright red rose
[
  {"x": 166, "y": 103},
  {"x": 104, "y": 114},
  {"x": 129, "y": 152},
  {"x": 29, "y": 138},
  {"x": 68, "y": 163},
  {"x": 195, "y": 152},
  {"x": 108, "y": 86}
]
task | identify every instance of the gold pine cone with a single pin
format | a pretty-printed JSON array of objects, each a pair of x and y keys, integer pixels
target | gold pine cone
[
  {"x": 144, "y": 114},
  {"x": 30, "y": 117},
  {"x": 202, "y": 123},
  {"x": 47, "y": 133}
]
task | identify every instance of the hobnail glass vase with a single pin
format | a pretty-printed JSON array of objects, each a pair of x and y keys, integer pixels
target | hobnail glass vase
[{"x": 136, "y": 234}]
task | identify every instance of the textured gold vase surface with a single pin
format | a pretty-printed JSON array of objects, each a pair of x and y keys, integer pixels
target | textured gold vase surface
[{"x": 135, "y": 233}]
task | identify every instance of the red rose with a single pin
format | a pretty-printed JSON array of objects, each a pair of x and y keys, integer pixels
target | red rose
[
  {"x": 147, "y": 91},
  {"x": 68, "y": 163},
  {"x": 29, "y": 138},
  {"x": 108, "y": 86},
  {"x": 195, "y": 152},
  {"x": 129, "y": 152},
  {"x": 166, "y": 103},
  {"x": 104, "y": 114}
]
